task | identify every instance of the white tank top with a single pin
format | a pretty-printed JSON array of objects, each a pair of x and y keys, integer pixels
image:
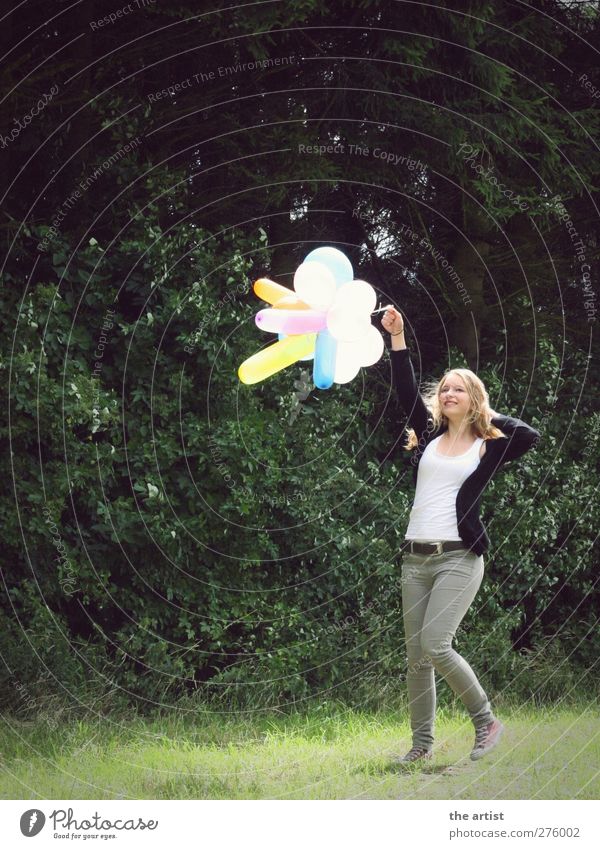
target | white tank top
[{"x": 433, "y": 514}]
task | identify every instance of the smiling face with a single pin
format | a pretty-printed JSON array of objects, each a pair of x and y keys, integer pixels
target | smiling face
[{"x": 455, "y": 402}]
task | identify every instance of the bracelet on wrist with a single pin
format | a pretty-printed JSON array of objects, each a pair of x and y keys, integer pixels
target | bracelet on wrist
[{"x": 397, "y": 334}]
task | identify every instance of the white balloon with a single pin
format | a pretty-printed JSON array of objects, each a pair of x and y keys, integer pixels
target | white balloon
[
  {"x": 347, "y": 325},
  {"x": 369, "y": 348},
  {"x": 357, "y": 295},
  {"x": 346, "y": 363},
  {"x": 315, "y": 284}
]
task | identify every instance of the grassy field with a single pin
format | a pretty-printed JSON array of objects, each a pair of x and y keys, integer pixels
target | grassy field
[{"x": 544, "y": 754}]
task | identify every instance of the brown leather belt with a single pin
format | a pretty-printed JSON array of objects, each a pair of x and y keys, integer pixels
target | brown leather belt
[{"x": 431, "y": 548}]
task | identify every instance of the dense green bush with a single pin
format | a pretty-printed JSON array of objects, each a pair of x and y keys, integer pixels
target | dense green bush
[
  {"x": 170, "y": 533},
  {"x": 185, "y": 533}
]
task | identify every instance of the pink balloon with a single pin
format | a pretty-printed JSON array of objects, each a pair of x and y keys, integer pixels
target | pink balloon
[{"x": 291, "y": 322}]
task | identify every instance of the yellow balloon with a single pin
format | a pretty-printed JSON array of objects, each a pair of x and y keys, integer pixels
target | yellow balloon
[{"x": 277, "y": 356}]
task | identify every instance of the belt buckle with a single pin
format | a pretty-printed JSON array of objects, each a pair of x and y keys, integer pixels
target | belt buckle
[{"x": 439, "y": 548}]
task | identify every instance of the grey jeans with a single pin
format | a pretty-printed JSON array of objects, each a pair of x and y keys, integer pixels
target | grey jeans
[{"x": 437, "y": 591}]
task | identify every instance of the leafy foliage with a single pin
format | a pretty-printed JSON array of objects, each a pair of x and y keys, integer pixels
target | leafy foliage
[{"x": 169, "y": 532}]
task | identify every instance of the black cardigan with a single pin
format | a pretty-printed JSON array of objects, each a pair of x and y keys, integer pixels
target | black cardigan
[{"x": 519, "y": 438}]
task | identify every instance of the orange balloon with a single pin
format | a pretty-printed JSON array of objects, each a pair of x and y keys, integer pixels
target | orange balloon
[
  {"x": 270, "y": 291},
  {"x": 291, "y": 302}
]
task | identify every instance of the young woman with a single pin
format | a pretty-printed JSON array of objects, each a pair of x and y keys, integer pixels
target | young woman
[{"x": 459, "y": 443}]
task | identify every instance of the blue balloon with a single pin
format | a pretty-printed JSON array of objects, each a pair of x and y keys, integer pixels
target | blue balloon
[
  {"x": 336, "y": 261},
  {"x": 324, "y": 364}
]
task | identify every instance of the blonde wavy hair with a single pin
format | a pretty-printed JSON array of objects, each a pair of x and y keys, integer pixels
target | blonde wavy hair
[{"x": 479, "y": 415}]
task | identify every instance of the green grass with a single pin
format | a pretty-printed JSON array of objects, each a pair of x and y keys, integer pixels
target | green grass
[{"x": 545, "y": 754}]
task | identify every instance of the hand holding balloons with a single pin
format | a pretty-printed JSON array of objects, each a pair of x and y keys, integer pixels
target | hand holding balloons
[{"x": 392, "y": 320}]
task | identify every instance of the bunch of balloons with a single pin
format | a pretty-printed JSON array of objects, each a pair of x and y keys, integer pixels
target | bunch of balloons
[{"x": 327, "y": 319}]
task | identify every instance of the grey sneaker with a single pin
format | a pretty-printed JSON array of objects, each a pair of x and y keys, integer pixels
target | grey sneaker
[
  {"x": 417, "y": 753},
  {"x": 486, "y": 739}
]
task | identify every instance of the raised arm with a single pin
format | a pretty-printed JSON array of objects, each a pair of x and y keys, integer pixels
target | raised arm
[
  {"x": 407, "y": 390},
  {"x": 403, "y": 375},
  {"x": 519, "y": 437}
]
